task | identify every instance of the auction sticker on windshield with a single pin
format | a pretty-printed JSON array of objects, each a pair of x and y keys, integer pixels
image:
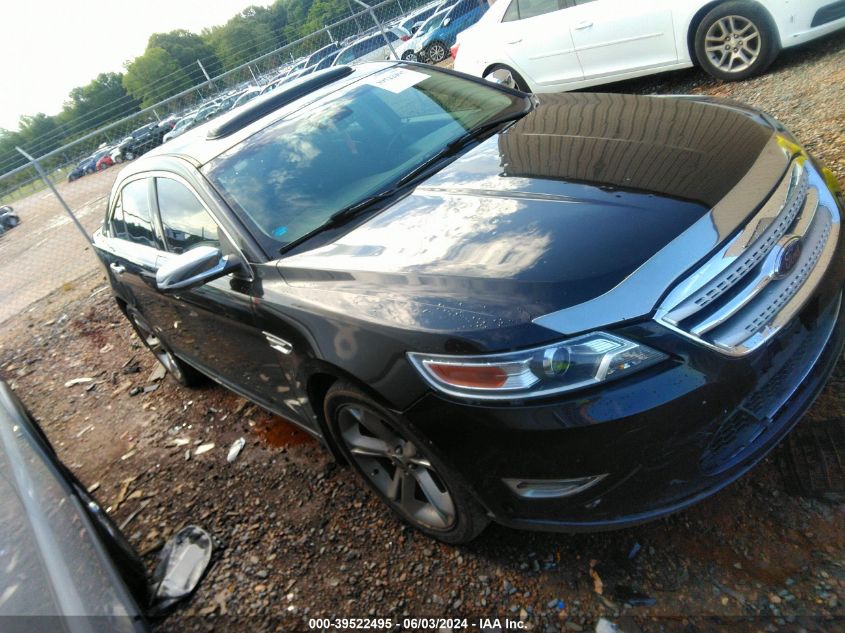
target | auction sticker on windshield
[{"x": 396, "y": 80}]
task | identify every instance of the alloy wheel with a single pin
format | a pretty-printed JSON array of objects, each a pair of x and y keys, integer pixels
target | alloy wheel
[
  {"x": 396, "y": 467},
  {"x": 733, "y": 44},
  {"x": 436, "y": 53},
  {"x": 159, "y": 351}
]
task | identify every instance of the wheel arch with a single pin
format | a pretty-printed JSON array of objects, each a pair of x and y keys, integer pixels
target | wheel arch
[
  {"x": 320, "y": 376},
  {"x": 493, "y": 66},
  {"x": 707, "y": 8}
]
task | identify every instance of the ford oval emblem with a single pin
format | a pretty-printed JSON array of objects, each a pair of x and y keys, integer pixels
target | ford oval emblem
[{"x": 788, "y": 257}]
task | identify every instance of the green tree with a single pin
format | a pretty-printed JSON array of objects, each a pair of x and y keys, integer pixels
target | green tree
[
  {"x": 154, "y": 76},
  {"x": 9, "y": 156},
  {"x": 39, "y": 133},
  {"x": 99, "y": 102},
  {"x": 186, "y": 48},
  {"x": 240, "y": 40}
]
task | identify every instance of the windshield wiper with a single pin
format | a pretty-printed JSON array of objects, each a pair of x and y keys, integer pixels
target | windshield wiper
[
  {"x": 359, "y": 207},
  {"x": 455, "y": 146},
  {"x": 339, "y": 217}
]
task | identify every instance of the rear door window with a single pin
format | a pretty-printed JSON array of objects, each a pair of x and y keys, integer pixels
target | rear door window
[
  {"x": 132, "y": 218},
  {"x": 524, "y": 9}
]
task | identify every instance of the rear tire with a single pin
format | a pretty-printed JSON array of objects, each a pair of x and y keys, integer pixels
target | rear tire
[
  {"x": 397, "y": 464},
  {"x": 736, "y": 40},
  {"x": 182, "y": 373}
]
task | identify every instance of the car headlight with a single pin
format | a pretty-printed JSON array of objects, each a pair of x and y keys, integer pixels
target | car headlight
[{"x": 573, "y": 364}]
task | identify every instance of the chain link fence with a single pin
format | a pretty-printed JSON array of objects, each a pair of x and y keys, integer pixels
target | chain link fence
[{"x": 41, "y": 249}]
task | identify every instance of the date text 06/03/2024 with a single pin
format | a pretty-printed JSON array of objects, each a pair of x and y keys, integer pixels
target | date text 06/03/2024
[{"x": 416, "y": 624}]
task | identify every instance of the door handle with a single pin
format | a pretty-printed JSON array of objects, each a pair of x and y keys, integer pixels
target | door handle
[
  {"x": 515, "y": 41},
  {"x": 586, "y": 24},
  {"x": 117, "y": 268}
]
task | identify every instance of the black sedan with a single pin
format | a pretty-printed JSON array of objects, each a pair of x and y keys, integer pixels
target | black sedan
[{"x": 566, "y": 312}]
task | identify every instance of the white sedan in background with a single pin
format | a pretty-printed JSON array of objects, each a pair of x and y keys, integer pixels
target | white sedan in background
[{"x": 554, "y": 45}]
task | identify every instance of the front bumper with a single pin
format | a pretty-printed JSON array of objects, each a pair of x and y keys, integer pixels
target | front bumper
[{"x": 667, "y": 438}]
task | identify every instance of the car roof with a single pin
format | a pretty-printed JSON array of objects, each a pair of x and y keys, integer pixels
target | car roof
[{"x": 198, "y": 148}]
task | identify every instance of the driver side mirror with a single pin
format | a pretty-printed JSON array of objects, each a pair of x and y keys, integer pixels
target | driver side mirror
[
  {"x": 447, "y": 21},
  {"x": 194, "y": 268}
]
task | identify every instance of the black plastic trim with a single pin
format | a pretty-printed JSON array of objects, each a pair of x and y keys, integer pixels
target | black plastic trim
[
  {"x": 285, "y": 96},
  {"x": 829, "y": 13}
]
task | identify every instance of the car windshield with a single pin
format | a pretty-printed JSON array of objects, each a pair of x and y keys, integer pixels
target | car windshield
[
  {"x": 432, "y": 23},
  {"x": 292, "y": 176}
]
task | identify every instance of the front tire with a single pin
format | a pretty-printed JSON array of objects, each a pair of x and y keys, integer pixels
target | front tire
[
  {"x": 182, "y": 373},
  {"x": 409, "y": 56},
  {"x": 736, "y": 40},
  {"x": 398, "y": 465},
  {"x": 436, "y": 52}
]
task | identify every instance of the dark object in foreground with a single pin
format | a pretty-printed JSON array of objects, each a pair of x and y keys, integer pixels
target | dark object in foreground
[
  {"x": 813, "y": 460},
  {"x": 69, "y": 563},
  {"x": 8, "y": 219},
  {"x": 564, "y": 312}
]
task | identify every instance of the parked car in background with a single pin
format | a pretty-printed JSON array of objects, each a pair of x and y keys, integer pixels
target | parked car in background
[
  {"x": 413, "y": 21},
  {"x": 207, "y": 111},
  {"x": 572, "y": 311},
  {"x": 320, "y": 54},
  {"x": 227, "y": 102},
  {"x": 105, "y": 160},
  {"x": 139, "y": 141},
  {"x": 87, "y": 165},
  {"x": 372, "y": 47},
  {"x": 247, "y": 95},
  {"x": 326, "y": 62},
  {"x": 67, "y": 566},
  {"x": 408, "y": 50},
  {"x": 435, "y": 45},
  {"x": 182, "y": 125},
  {"x": 554, "y": 45}
]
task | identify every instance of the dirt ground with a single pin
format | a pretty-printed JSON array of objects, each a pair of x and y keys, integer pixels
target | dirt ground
[{"x": 297, "y": 537}]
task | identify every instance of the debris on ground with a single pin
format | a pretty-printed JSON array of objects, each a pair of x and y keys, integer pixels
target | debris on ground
[
  {"x": 78, "y": 381},
  {"x": 235, "y": 449}
]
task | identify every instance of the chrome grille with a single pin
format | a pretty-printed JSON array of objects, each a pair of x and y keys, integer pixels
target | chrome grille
[{"x": 739, "y": 299}]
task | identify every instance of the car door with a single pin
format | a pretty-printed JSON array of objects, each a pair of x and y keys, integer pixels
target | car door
[
  {"x": 612, "y": 37},
  {"x": 536, "y": 35},
  {"x": 131, "y": 246},
  {"x": 459, "y": 17},
  {"x": 213, "y": 326}
]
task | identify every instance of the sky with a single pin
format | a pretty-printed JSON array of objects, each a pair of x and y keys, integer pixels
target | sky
[{"x": 48, "y": 47}]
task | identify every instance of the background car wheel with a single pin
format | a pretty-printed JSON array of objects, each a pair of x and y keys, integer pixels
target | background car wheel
[
  {"x": 436, "y": 52},
  {"x": 183, "y": 373},
  {"x": 118, "y": 158},
  {"x": 89, "y": 171},
  {"x": 518, "y": 82},
  {"x": 130, "y": 155},
  {"x": 397, "y": 464},
  {"x": 409, "y": 56},
  {"x": 736, "y": 40},
  {"x": 12, "y": 221}
]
